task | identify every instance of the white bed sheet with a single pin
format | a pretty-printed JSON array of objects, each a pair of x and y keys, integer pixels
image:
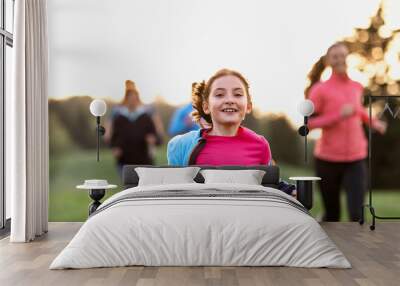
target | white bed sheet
[{"x": 200, "y": 231}]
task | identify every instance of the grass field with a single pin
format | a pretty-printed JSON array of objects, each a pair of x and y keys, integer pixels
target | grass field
[{"x": 69, "y": 204}]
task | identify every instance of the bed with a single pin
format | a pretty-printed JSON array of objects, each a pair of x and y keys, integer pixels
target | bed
[{"x": 201, "y": 224}]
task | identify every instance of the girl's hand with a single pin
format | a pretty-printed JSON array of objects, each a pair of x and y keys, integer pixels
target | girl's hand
[{"x": 379, "y": 126}]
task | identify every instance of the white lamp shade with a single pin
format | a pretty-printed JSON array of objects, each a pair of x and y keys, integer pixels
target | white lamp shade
[
  {"x": 306, "y": 107},
  {"x": 98, "y": 107}
]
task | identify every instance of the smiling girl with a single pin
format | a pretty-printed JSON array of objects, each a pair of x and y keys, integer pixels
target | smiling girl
[{"x": 223, "y": 102}]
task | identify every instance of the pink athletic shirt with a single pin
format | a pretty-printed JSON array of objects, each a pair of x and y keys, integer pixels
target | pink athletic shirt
[
  {"x": 342, "y": 139},
  {"x": 245, "y": 148}
]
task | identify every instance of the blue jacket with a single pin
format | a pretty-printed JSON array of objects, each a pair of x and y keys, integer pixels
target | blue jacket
[
  {"x": 179, "y": 123},
  {"x": 181, "y": 147}
]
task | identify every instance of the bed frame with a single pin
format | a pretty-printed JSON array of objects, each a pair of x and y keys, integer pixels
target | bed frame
[
  {"x": 271, "y": 178},
  {"x": 130, "y": 179}
]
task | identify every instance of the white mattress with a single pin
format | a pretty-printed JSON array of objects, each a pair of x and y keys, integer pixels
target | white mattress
[{"x": 183, "y": 231}]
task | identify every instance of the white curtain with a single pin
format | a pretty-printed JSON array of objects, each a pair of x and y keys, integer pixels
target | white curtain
[{"x": 27, "y": 117}]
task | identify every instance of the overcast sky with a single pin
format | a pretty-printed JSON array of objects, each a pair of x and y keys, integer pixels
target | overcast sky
[{"x": 165, "y": 45}]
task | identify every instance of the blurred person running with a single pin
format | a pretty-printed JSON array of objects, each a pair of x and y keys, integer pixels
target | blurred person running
[
  {"x": 341, "y": 151},
  {"x": 133, "y": 130}
]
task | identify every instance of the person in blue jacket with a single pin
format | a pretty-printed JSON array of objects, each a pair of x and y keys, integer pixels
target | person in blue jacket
[{"x": 182, "y": 121}]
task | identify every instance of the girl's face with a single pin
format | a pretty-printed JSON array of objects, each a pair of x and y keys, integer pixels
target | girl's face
[
  {"x": 227, "y": 103},
  {"x": 336, "y": 58}
]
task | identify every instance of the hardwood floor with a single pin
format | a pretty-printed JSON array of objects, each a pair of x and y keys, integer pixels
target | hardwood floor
[{"x": 374, "y": 255}]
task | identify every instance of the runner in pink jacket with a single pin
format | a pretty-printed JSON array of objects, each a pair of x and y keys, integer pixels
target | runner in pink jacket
[
  {"x": 341, "y": 151},
  {"x": 337, "y": 102}
]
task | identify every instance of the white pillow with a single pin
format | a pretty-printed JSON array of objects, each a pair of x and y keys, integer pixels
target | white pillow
[
  {"x": 164, "y": 176},
  {"x": 248, "y": 177}
]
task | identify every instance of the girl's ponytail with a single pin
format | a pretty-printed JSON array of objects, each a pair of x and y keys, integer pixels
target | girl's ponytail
[
  {"x": 198, "y": 97},
  {"x": 314, "y": 75}
]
